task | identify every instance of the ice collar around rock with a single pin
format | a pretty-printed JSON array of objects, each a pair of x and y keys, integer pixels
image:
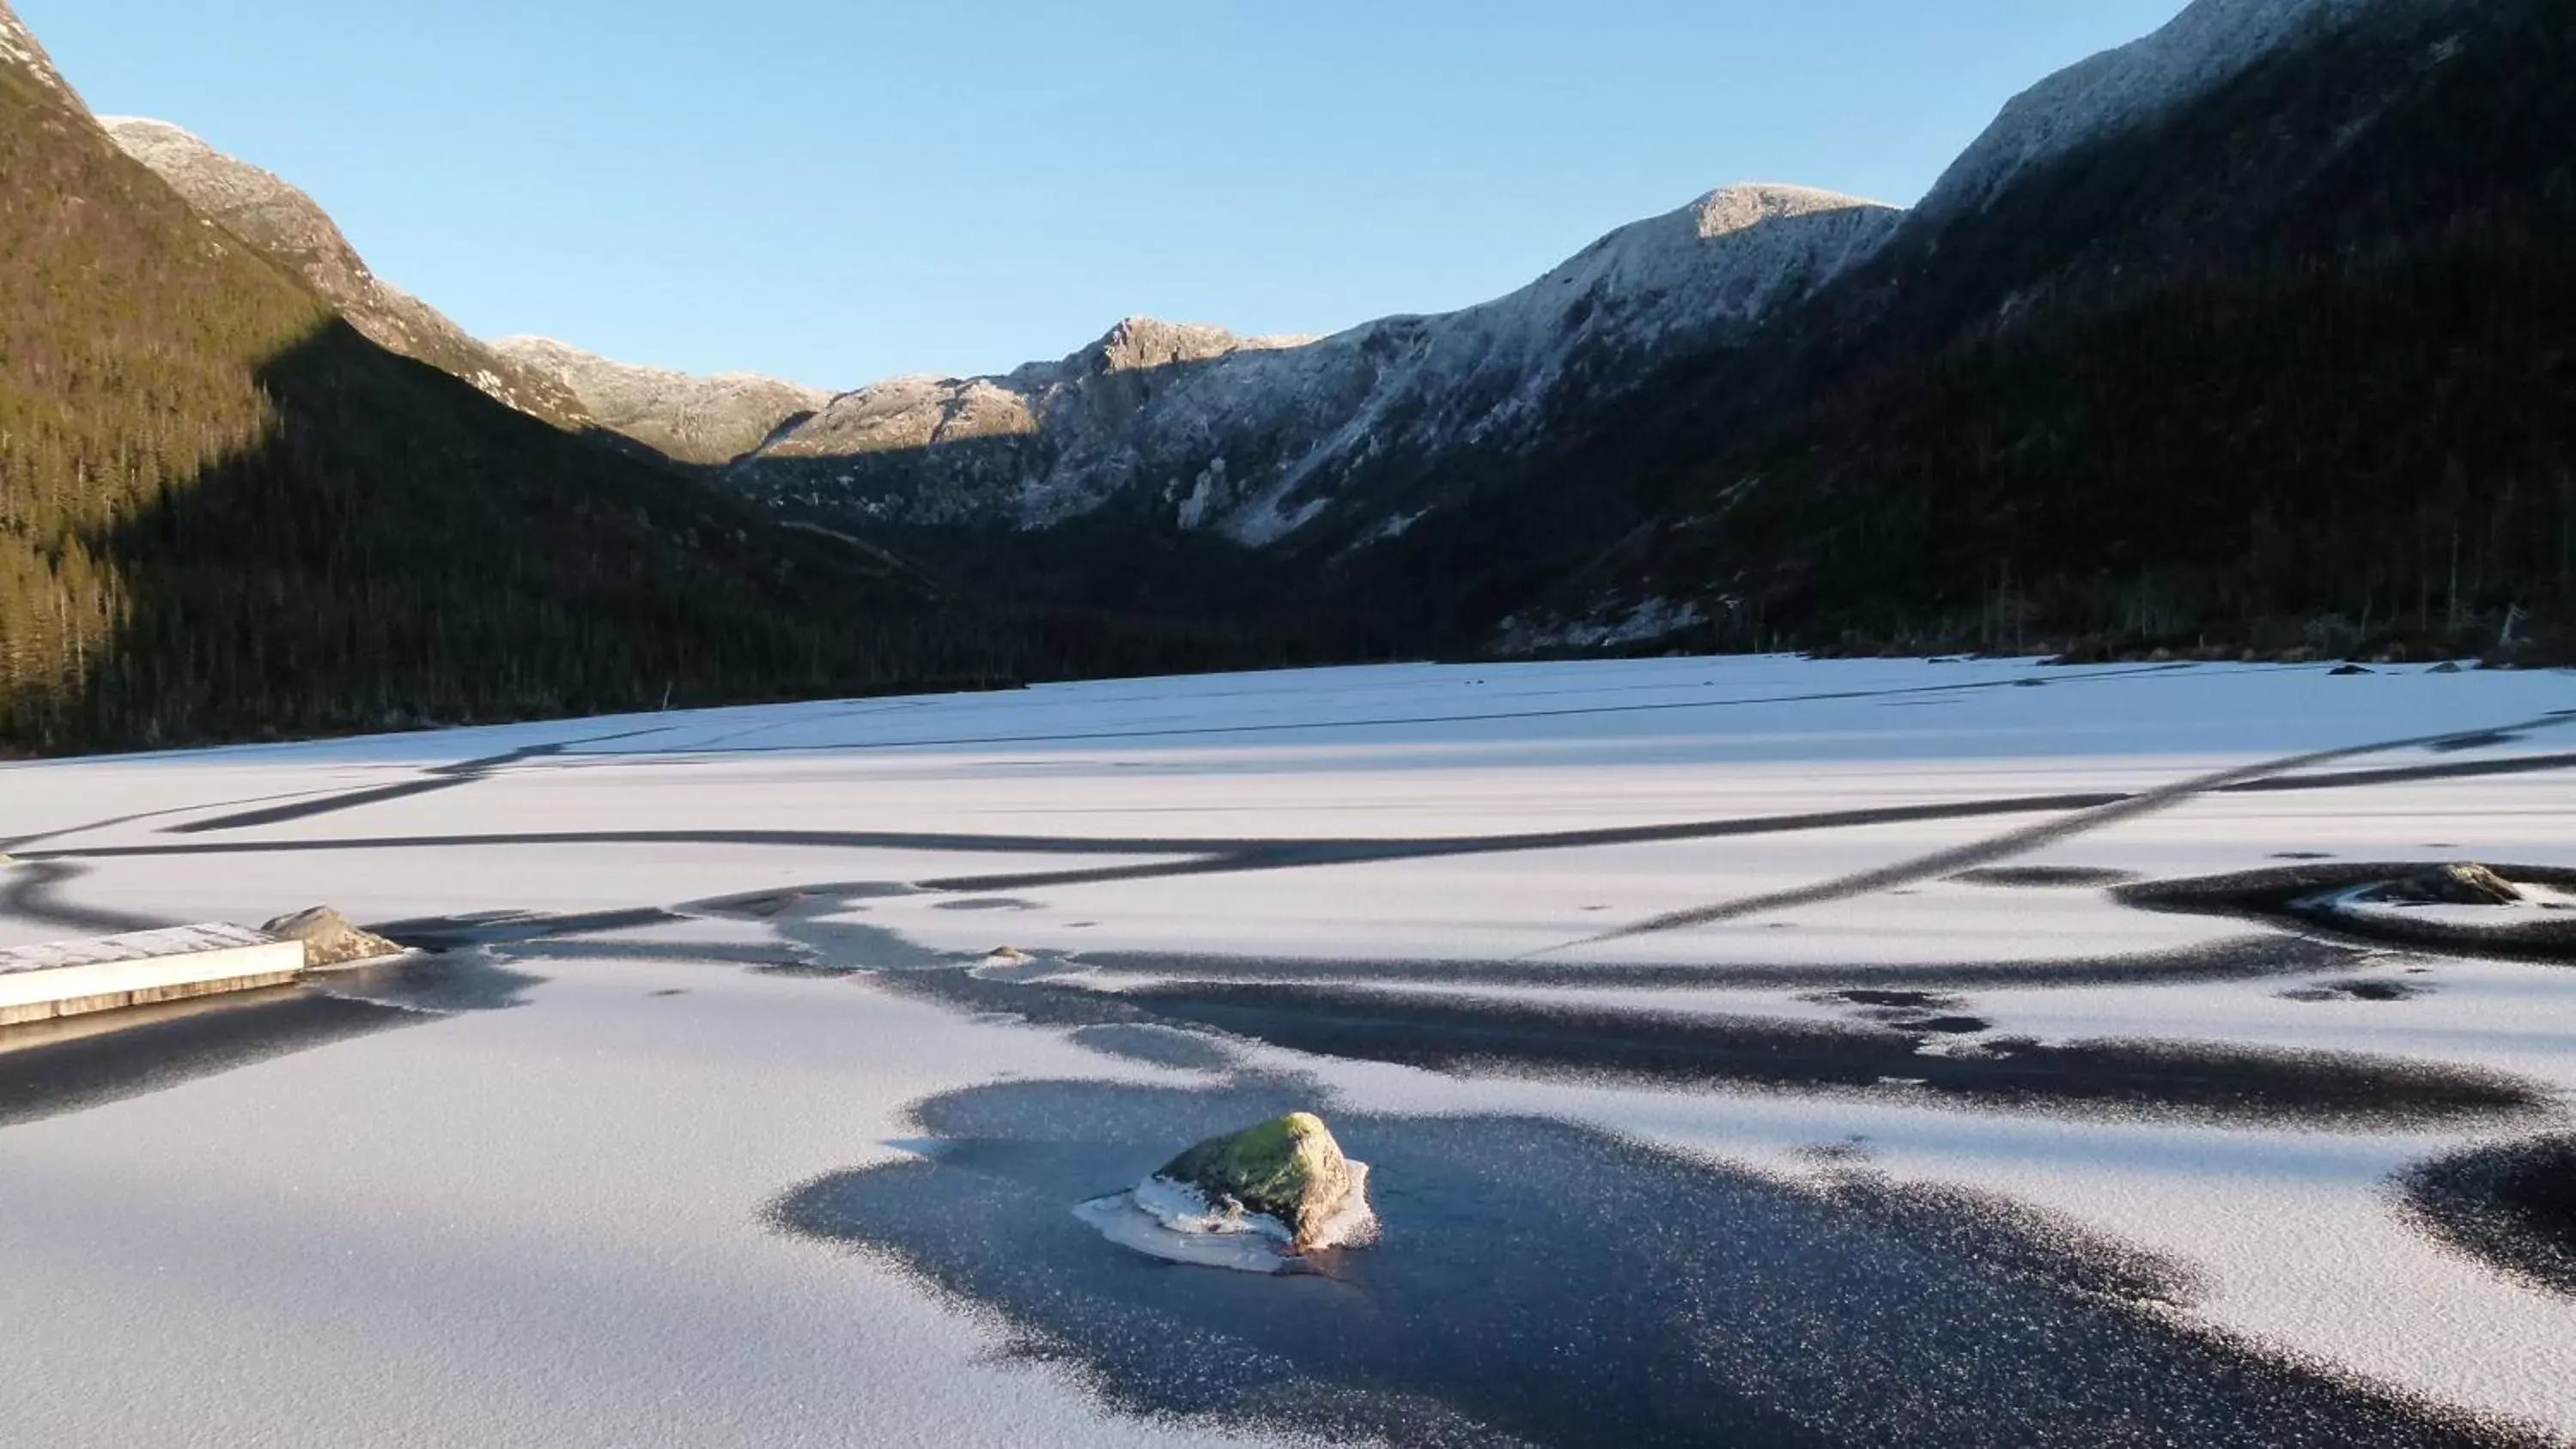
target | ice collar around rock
[{"x": 1256, "y": 1201}]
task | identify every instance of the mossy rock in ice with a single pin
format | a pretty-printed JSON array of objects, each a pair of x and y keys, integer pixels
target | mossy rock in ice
[
  {"x": 329, "y": 939},
  {"x": 1290, "y": 1169}
]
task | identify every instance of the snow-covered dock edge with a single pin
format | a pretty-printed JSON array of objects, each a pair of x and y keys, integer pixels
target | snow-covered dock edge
[{"x": 110, "y": 973}]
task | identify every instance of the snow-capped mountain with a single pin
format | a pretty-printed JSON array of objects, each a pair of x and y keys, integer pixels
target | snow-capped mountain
[
  {"x": 1361, "y": 432},
  {"x": 2244, "y": 332},
  {"x": 280, "y": 220},
  {"x": 687, "y": 418}
]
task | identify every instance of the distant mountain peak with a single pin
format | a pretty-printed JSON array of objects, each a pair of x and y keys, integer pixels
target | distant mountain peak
[
  {"x": 1137, "y": 343},
  {"x": 684, "y": 416},
  {"x": 1731, "y": 209},
  {"x": 1150, "y": 342}
]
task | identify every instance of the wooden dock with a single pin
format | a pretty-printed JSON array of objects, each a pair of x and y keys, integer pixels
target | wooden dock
[{"x": 73, "y": 978}]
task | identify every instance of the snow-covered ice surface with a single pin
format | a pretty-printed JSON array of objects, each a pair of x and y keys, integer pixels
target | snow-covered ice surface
[{"x": 1762, "y": 1044}]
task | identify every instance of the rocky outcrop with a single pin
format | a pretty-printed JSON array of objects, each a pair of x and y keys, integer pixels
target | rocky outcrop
[
  {"x": 292, "y": 229},
  {"x": 1256, "y": 1201},
  {"x": 20, "y": 52},
  {"x": 1289, "y": 1171},
  {"x": 2454, "y": 885},
  {"x": 684, "y": 417},
  {"x": 329, "y": 940}
]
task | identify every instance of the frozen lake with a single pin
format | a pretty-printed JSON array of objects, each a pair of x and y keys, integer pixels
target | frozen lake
[{"x": 1752, "y": 1051}]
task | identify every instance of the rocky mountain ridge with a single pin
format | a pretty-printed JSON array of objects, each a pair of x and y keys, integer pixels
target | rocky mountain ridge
[
  {"x": 2273, "y": 357},
  {"x": 20, "y": 51},
  {"x": 2138, "y": 84},
  {"x": 704, "y": 420},
  {"x": 1352, "y": 435},
  {"x": 289, "y": 226}
]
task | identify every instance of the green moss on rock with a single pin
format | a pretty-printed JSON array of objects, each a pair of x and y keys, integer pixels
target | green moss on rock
[{"x": 1290, "y": 1169}]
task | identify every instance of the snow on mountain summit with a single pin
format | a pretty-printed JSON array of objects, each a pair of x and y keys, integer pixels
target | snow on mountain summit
[{"x": 2209, "y": 43}]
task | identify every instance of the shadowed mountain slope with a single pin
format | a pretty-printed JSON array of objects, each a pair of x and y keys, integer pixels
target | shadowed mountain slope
[
  {"x": 2282, "y": 359},
  {"x": 287, "y": 226},
  {"x": 225, "y": 513}
]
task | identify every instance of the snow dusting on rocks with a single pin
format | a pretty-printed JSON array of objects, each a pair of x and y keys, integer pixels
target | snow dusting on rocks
[
  {"x": 1259, "y": 437},
  {"x": 2210, "y": 43}
]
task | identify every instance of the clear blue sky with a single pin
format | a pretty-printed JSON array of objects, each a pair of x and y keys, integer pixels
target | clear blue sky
[{"x": 838, "y": 190}]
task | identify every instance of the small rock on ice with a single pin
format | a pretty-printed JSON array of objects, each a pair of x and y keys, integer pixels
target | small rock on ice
[
  {"x": 1257, "y": 1200},
  {"x": 2454, "y": 885},
  {"x": 329, "y": 939}
]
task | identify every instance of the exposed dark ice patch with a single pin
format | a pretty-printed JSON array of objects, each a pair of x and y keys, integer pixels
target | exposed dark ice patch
[
  {"x": 437, "y": 777},
  {"x": 1480, "y": 1036},
  {"x": 506, "y": 928},
  {"x": 48, "y": 1069},
  {"x": 2491, "y": 740},
  {"x": 2045, "y": 877},
  {"x": 329, "y": 805},
  {"x": 990, "y": 903},
  {"x": 2364, "y": 988},
  {"x": 705, "y": 953},
  {"x": 1931, "y": 1025},
  {"x": 2512, "y": 1205},
  {"x": 848, "y": 945},
  {"x": 762, "y": 905},
  {"x": 2018, "y": 1239},
  {"x": 668, "y": 991},
  {"x": 2303, "y": 855},
  {"x": 2282, "y": 896},
  {"x": 2295, "y": 772},
  {"x": 1160, "y": 1046},
  {"x": 2243, "y": 958},
  {"x": 798, "y": 969},
  {"x": 33, "y": 891},
  {"x": 1545, "y": 1284},
  {"x": 1896, "y": 1000},
  {"x": 450, "y": 981}
]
